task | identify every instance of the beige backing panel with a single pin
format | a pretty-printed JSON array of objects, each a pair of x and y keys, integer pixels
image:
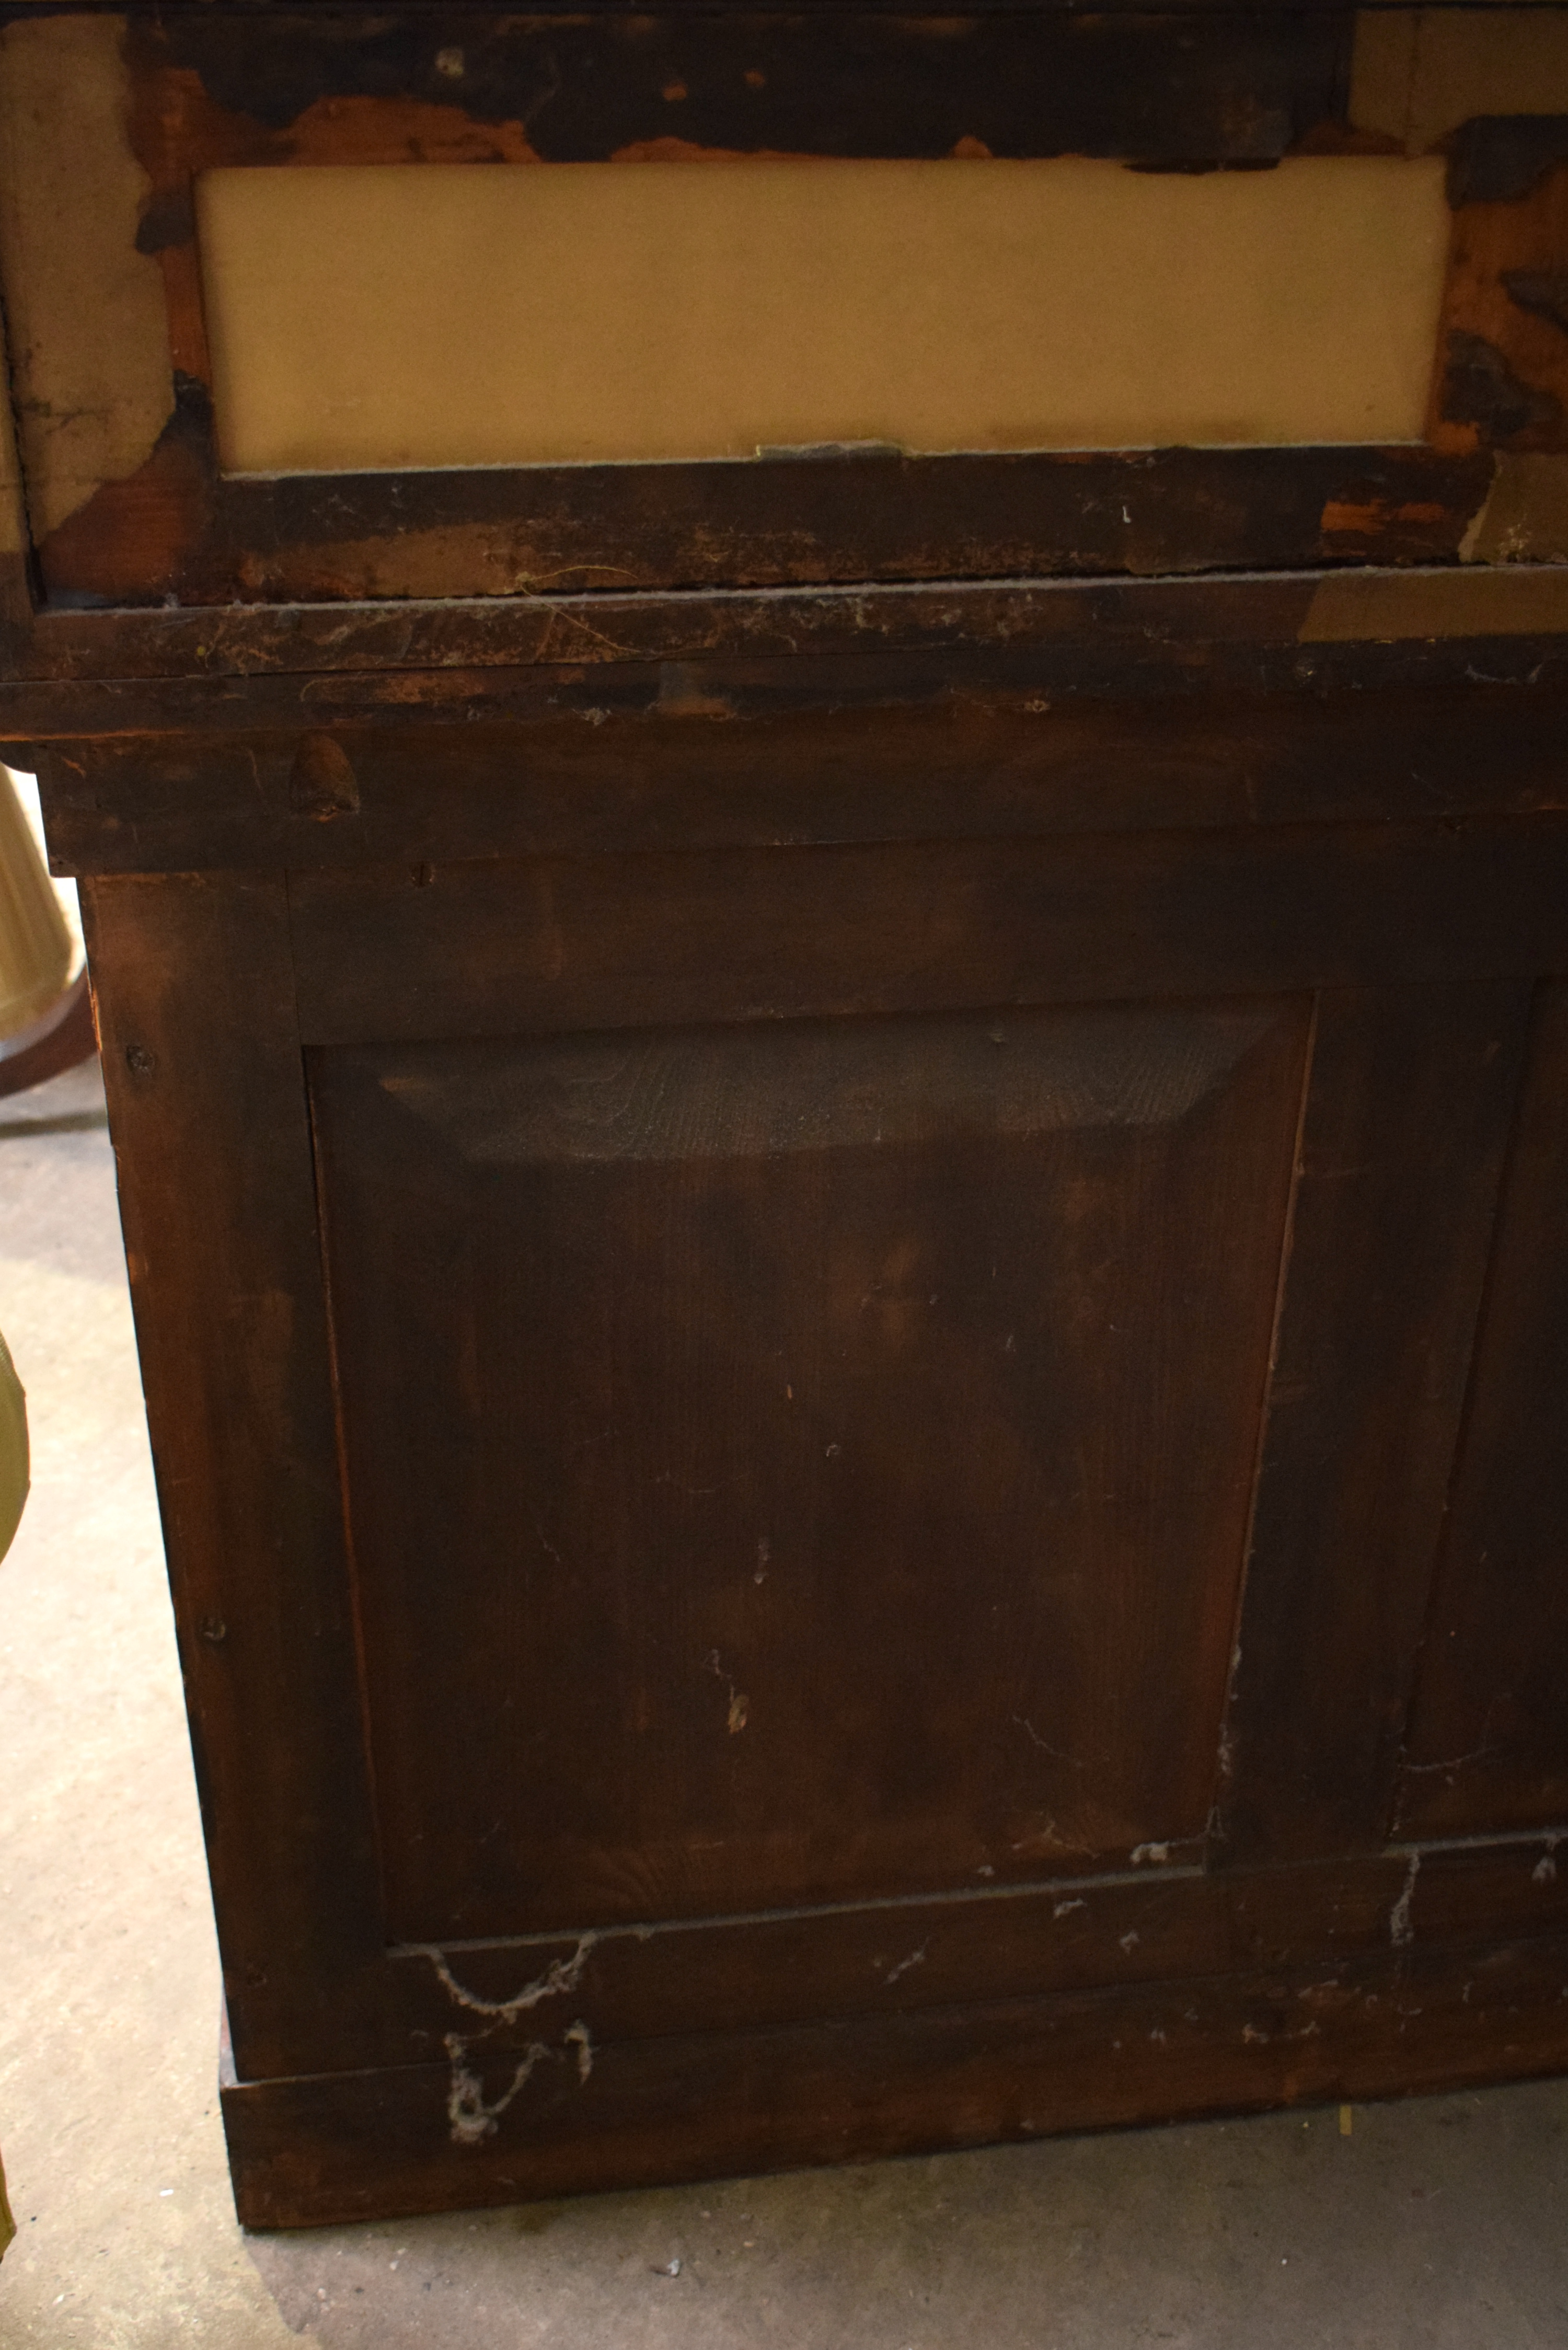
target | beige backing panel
[
  {"x": 1417, "y": 73},
  {"x": 1392, "y": 607},
  {"x": 90, "y": 340},
  {"x": 388, "y": 315}
]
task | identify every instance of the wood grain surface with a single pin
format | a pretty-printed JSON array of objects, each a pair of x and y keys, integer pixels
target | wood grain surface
[
  {"x": 829, "y": 1436},
  {"x": 842, "y": 1178}
]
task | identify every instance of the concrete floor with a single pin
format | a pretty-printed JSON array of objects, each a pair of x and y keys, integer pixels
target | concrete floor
[{"x": 1437, "y": 2225}]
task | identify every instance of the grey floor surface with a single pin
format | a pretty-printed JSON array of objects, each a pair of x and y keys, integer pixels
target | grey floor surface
[{"x": 1437, "y": 2225}]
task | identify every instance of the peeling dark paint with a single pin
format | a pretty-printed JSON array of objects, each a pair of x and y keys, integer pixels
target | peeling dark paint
[
  {"x": 170, "y": 219},
  {"x": 1170, "y": 90},
  {"x": 1498, "y": 159},
  {"x": 547, "y": 531},
  {"x": 1481, "y": 388},
  {"x": 1543, "y": 292},
  {"x": 147, "y": 528}
]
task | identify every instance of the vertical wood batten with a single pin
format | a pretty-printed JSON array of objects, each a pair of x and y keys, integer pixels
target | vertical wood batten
[
  {"x": 1489, "y": 1730},
  {"x": 204, "y": 1074},
  {"x": 1407, "y": 1116},
  {"x": 15, "y": 590}
]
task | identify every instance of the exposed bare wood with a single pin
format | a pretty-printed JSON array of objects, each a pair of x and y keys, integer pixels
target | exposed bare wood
[{"x": 84, "y": 308}]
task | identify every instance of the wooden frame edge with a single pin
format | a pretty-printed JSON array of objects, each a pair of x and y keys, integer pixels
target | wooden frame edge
[{"x": 584, "y": 2119}]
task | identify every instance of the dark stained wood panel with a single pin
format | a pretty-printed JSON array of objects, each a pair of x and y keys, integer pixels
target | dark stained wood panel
[
  {"x": 1488, "y": 1735},
  {"x": 785, "y": 1463},
  {"x": 427, "y": 950},
  {"x": 972, "y": 769},
  {"x": 1159, "y": 85},
  {"x": 1429, "y": 2017},
  {"x": 208, "y": 1115},
  {"x": 1014, "y": 645},
  {"x": 179, "y": 531},
  {"x": 1160, "y": 1922},
  {"x": 600, "y": 651},
  {"x": 1407, "y": 1116}
]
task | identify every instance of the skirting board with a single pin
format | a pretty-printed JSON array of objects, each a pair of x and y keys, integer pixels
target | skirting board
[{"x": 411, "y": 2138}]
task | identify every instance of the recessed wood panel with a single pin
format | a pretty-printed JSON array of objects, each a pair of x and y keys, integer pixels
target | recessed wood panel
[
  {"x": 1488, "y": 1735},
  {"x": 409, "y": 316},
  {"x": 798, "y": 1463},
  {"x": 1403, "y": 1139}
]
